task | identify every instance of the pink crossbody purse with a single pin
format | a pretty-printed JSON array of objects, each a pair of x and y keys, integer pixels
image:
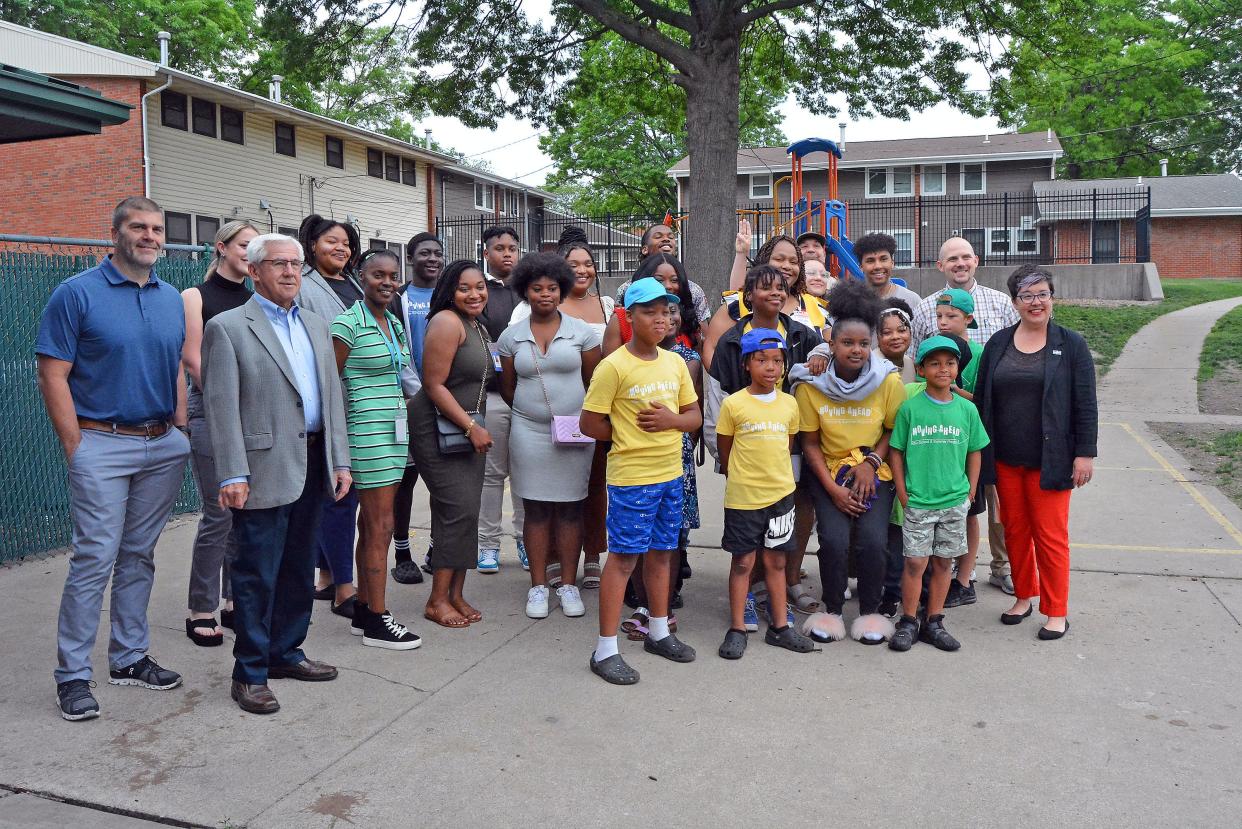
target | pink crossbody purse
[{"x": 566, "y": 430}]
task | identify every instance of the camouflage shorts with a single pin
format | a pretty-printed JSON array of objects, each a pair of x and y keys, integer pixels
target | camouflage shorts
[{"x": 935, "y": 532}]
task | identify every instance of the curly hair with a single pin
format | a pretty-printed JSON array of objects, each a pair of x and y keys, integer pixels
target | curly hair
[
  {"x": 764, "y": 255},
  {"x": 534, "y": 265},
  {"x": 852, "y": 300}
]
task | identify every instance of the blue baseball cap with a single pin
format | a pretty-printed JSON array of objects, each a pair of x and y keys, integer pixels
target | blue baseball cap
[
  {"x": 647, "y": 289},
  {"x": 761, "y": 339},
  {"x": 937, "y": 343}
]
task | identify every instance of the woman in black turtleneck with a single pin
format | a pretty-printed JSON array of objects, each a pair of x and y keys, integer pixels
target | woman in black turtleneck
[{"x": 223, "y": 290}]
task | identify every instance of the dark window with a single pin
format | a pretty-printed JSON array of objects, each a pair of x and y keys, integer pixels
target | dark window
[
  {"x": 392, "y": 167},
  {"x": 375, "y": 163},
  {"x": 205, "y": 228},
  {"x": 204, "y": 117},
  {"x": 177, "y": 232},
  {"x": 232, "y": 125},
  {"x": 334, "y": 148},
  {"x": 409, "y": 173},
  {"x": 399, "y": 250},
  {"x": 285, "y": 142},
  {"x": 1106, "y": 242},
  {"x": 288, "y": 231},
  {"x": 377, "y": 244},
  {"x": 172, "y": 110}
]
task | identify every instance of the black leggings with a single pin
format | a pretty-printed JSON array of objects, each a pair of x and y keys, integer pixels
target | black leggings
[
  {"x": 870, "y": 545},
  {"x": 403, "y": 503}
]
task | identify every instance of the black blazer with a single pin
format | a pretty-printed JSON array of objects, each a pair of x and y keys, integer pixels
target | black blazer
[{"x": 1070, "y": 417}]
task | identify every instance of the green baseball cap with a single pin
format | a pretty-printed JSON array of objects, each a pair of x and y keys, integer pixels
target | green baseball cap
[
  {"x": 961, "y": 300},
  {"x": 937, "y": 343}
]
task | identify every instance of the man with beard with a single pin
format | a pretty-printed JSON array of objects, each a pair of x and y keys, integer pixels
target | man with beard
[{"x": 659, "y": 238}]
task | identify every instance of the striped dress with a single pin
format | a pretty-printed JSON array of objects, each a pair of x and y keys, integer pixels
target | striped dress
[{"x": 373, "y": 399}]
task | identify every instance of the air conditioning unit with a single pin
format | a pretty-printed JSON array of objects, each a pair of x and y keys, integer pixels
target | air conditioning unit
[{"x": 1028, "y": 222}]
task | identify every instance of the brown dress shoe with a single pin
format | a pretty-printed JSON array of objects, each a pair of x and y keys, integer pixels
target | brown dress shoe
[
  {"x": 308, "y": 670},
  {"x": 257, "y": 699}
]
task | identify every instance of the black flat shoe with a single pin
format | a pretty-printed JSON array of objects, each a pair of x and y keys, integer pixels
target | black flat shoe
[
  {"x": 1048, "y": 635},
  {"x": 345, "y": 608},
  {"x": 1014, "y": 618},
  {"x": 325, "y": 594}
]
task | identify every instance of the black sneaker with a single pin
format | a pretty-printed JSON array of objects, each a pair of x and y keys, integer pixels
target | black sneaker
[
  {"x": 76, "y": 700},
  {"x": 383, "y": 631},
  {"x": 967, "y": 593},
  {"x": 145, "y": 673},
  {"x": 905, "y": 635},
  {"x": 954, "y": 597},
  {"x": 889, "y": 607},
  {"x": 358, "y": 622},
  {"x": 933, "y": 633}
]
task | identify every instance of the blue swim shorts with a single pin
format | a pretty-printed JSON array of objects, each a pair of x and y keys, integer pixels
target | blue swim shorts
[{"x": 644, "y": 517}]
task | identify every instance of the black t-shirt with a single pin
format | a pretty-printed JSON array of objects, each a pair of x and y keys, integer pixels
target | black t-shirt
[
  {"x": 347, "y": 289},
  {"x": 1018, "y": 389}
]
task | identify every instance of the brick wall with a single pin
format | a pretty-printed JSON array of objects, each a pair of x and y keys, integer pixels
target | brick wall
[
  {"x": 1197, "y": 246},
  {"x": 68, "y": 186}
]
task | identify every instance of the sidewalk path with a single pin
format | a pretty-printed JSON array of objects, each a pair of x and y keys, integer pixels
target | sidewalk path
[{"x": 1131, "y": 720}]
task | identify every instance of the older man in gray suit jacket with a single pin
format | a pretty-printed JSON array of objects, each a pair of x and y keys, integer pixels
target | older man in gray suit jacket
[{"x": 277, "y": 422}]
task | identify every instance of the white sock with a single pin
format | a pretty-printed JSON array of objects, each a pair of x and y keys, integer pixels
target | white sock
[
  {"x": 606, "y": 647},
  {"x": 658, "y": 627}
]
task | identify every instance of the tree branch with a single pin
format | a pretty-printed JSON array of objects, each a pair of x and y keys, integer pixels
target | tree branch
[
  {"x": 646, "y": 36},
  {"x": 768, "y": 9},
  {"x": 664, "y": 14}
]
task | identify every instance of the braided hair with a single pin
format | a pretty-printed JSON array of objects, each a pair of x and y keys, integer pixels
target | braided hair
[{"x": 798, "y": 288}]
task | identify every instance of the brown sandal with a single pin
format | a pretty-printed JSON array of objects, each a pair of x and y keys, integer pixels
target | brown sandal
[{"x": 443, "y": 621}]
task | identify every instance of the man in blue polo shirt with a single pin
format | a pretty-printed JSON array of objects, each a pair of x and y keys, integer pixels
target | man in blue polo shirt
[{"x": 109, "y": 352}]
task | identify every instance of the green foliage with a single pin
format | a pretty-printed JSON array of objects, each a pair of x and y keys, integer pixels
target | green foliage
[
  {"x": 1107, "y": 328},
  {"x": 1223, "y": 346},
  {"x": 621, "y": 123},
  {"x": 1118, "y": 78}
]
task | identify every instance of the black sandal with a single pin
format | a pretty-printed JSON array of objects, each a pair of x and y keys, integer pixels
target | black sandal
[
  {"x": 203, "y": 640},
  {"x": 734, "y": 644}
]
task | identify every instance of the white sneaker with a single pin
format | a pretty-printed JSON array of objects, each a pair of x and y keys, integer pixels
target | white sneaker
[
  {"x": 537, "y": 602},
  {"x": 571, "y": 600}
]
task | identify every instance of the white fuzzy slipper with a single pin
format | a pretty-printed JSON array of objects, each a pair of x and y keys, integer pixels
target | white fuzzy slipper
[{"x": 824, "y": 627}]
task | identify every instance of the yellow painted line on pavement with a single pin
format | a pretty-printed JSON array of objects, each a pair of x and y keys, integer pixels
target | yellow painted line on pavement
[
  {"x": 1190, "y": 488},
  {"x": 1151, "y": 548}
]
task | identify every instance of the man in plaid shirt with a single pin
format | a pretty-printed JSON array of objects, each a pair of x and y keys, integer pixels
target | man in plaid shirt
[{"x": 993, "y": 311}]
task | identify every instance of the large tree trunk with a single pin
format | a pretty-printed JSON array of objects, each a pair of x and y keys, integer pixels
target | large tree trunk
[{"x": 712, "y": 139}]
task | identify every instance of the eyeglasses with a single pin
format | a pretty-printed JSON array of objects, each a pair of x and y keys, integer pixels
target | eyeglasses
[
  {"x": 283, "y": 264},
  {"x": 1031, "y": 299}
]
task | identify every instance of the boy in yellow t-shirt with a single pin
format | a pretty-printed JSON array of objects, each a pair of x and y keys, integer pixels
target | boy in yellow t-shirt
[
  {"x": 641, "y": 398},
  {"x": 754, "y": 435}
]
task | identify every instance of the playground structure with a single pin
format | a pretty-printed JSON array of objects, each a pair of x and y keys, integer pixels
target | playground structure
[{"x": 828, "y": 217}]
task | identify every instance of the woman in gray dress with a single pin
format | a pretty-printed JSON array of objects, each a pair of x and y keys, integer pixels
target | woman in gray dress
[
  {"x": 546, "y": 362},
  {"x": 457, "y": 363}
]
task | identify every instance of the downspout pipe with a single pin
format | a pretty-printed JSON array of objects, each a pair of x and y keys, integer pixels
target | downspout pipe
[{"x": 163, "y": 37}]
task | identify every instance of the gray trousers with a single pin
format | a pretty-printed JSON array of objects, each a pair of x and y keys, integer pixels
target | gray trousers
[
  {"x": 495, "y": 470},
  {"x": 996, "y": 534},
  {"x": 121, "y": 492},
  {"x": 214, "y": 547}
]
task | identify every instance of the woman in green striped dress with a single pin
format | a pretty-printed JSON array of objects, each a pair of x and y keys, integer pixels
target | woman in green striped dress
[{"x": 371, "y": 351}]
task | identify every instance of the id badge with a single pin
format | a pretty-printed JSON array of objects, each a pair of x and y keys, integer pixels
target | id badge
[
  {"x": 402, "y": 429},
  {"x": 495, "y": 356}
]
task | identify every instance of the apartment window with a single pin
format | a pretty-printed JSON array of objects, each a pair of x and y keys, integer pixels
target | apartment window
[
  {"x": 173, "y": 110},
  {"x": 883, "y": 182},
  {"x": 334, "y": 152},
  {"x": 1028, "y": 240},
  {"x": 204, "y": 117},
  {"x": 903, "y": 181},
  {"x": 761, "y": 185},
  {"x": 392, "y": 167},
  {"x": 483, "y": 196},
  {"x": 377, "y": 244},
  {"x": 205, "y": 228},
  {"x": 1106, "y": 241},
  {"x": 998, "y": 240},
  {"x": 515, "y": 199},
  {"x": 286, "y": 140},
  {"x": 177, "y": 232},
  {"x": 288, "y": 231},
  {"x": 232, "y": 125},
  {"x": 409, "y": 172},
  {"x": 375, "y": 163},
  {"x": 933, "y": 180},
  {"x": 398, "y": 250},
  {"x": 877, "y": 181},
  {"x": 905, "y": 247},
  {"x": 973, "y": 178}
]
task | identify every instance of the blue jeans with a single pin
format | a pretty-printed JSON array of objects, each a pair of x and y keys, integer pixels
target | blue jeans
[
  {"x": 274, "y": 576},
  {"x": 336, "y": 537},
  {"x": 121, "y": 492}
]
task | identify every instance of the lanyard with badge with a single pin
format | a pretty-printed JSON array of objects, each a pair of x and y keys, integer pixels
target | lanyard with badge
[{"x": 394, "y": 355}]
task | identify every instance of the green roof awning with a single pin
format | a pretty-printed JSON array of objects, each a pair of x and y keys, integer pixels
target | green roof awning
[{"x": 34, "y": 106}]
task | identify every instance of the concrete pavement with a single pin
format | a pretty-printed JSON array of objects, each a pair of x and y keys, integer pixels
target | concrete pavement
[{"x": 1132, "y": 720}]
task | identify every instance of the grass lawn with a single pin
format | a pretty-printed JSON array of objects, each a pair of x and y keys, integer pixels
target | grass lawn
[
  {"x": 1215, "y": 451},
  {"x": 1223, "y": 347},
  {"x": 1107, "y": 328}
]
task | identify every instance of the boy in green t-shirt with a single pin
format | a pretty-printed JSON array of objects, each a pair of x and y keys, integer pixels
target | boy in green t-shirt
[{"x": 934, "y": 455}]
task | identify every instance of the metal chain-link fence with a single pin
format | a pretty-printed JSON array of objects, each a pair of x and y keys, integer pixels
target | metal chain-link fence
[{"x": 34, "y": 516}]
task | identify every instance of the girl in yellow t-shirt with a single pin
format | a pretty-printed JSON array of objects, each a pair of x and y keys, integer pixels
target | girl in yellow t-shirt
[{"x": 847, "y": 414}]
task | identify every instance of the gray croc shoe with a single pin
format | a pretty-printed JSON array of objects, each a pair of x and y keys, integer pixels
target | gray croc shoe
[
  {"x": 789, "y": 639},
  {"x": 614, "y": 670},
  {"x": 670, "y": 647},
  {"x": 734, "y": 645}
]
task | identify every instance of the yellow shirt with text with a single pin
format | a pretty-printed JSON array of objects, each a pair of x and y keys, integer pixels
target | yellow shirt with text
[
  {"x": 760, "y": 469},
  {"x": 622, "y": 386},
  {"x": 851, "y": 424}
]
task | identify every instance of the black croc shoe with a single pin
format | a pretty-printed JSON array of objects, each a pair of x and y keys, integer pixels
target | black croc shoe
[{"x": 906, "y": 634}]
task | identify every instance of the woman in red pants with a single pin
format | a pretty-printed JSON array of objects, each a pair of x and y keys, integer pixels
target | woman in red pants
[{"x": 1036, "y": 395}]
